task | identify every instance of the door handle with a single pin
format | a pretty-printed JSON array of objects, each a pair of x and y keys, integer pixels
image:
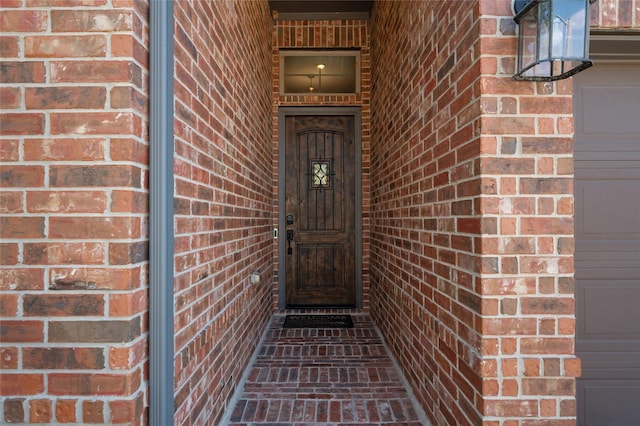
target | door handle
[{"x": 289, "y": 239}]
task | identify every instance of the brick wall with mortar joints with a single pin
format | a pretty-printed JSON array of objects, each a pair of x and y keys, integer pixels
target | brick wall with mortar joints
[
  {"x": 326, "y": 34},
  {"x": 529, "y": 325},
  {"x": 615, "y": 14},
  {"x": 425, "y": 198},
  {"x": 529, "y": 367},
  {"x": 223, "y": 199},
  {"x": 74, "y": 206}
]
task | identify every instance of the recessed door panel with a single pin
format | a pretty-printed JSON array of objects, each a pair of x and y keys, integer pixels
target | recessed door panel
[{"x": 320, "y": 200}]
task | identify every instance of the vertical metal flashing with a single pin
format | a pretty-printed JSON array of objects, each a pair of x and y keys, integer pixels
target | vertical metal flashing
[{"x": 161, "y": 235}]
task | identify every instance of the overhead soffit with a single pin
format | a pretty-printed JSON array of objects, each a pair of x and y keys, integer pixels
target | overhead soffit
[{"x": 320, "y": 9}]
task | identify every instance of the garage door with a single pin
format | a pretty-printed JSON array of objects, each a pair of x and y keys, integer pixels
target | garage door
[{"x": 607, "y": 195}]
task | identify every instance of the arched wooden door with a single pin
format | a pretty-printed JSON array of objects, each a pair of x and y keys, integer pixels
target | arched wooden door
[{"x": 320, "y": 210}]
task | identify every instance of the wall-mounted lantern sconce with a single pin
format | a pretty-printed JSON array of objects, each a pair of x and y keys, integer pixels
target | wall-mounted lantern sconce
[{"x": 553, "y": 38}]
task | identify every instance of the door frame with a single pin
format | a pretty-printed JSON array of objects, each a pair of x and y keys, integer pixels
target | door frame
[{"x": 284, "y": 112}]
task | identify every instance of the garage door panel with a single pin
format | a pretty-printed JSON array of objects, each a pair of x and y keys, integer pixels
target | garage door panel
[
  {"x": 602, "y": 270},
  {"x": 607, "y": 232},
  {"x": 605, "y": 402},
  {"x": 610, "y": 309},
  {"x": 591, "y": 156},
  {"x": 601, "y": 365},
  {"x": 604, "y": 212},
  {"x": 619, "y": 117}
]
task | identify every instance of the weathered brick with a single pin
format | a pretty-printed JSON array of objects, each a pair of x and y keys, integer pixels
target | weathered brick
[
  {"x": 92, "y": 71},
  {"x": 9, "y": 358},
  {"x": 9, "y": 98},
  {"x": 94, "y": 227},
  {"x": 126, "y": 45},
  {"x": 120, "y": 123},
  {"x": 66, "y": 410},
  {"x": 547, "y": 306},
  {"x": 546, "y": 186},
  {"x": 129, "y": 201},
  {"x": 123, "y": 411},
  {"x": 22, "y": 72},
  {"x": 64, "y": 149},
  {"x": 95, "y": 175},
  {"x": 9, "y": 150},
  {"x": 547, "y": 225},
  {"x": 66, "y": 3},
  {"x": 94, "y": 384},
  {"x": 8, "y": 254},
  {"x": 92, "y": 278},
  {"x": 128, "y": 253},
  {"x": 547, "y": 346},
  {"x": 67, "y": 202},
  {"x": 129, "y": 149},
  {"x": 21, "y": 176},
  {"x": 11, "y": 202},
  {"x": 93, "y": 411},
  {"x": 128, "y": 97},
  {"x": 21, "y": 331},
  {"x": 9, "y": 46},
  {"x": 8, "y": 305},
  {"x": 83, "y": 253},
  {"x": 94, "y": 331},
  {"x": 20, "y": 279},
  {"x": 40, "y": 411},
  {"x": 21, "y": 227},
  {"x": 22, "y": 123},
  {"x": 103, "y": 20},
  {"x": 65, "y": 97},
  {"x": 76, "y": 46},
  {"x": 509, "y": 125},
  {"x": 63, "y": 358},
  {"x": 14, "y": 410},
  {"x": 21, "y": 384},
  {"x": 53, "y": 305},
  {"x": 127, "y": 304},
  {"x": 24, "y": 20},
  {"x": 508, "y": 166}
]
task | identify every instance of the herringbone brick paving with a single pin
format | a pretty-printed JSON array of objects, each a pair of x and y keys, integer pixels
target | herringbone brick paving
[{"x": 325, "y": 376}]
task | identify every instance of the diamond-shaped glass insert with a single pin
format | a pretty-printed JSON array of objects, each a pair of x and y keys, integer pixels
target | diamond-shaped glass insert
[{"x": 320, "y": 174}]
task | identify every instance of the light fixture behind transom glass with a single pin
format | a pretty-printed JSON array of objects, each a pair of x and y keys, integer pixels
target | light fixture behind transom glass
[
  {"x": 553, "y": 38},
  {"x": 319, "y": 72}
]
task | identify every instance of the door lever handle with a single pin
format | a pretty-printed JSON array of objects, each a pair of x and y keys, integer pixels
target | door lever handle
[{"x": 289, "y": 239}]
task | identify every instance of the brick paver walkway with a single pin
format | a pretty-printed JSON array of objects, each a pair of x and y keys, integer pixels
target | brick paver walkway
[{"x": 325, "y": 376}]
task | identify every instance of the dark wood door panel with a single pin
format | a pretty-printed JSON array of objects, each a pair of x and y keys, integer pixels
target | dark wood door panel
[{"x": 320, "y": 196}]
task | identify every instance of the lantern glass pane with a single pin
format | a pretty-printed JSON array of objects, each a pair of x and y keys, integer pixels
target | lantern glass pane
[
  {"x": 544, "y": 29},
  {"x": 528, "y": 40},
  {"x": 569, "y": 29}
]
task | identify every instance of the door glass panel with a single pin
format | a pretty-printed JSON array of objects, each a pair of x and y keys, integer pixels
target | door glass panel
[{"x": 320, "y": 174}]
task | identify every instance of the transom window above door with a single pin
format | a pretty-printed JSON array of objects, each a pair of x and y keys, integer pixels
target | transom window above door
[{"x": 319, "y": 72}]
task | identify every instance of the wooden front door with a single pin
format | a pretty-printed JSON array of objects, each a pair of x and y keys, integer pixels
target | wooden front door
[{"x": 320, "y": 221}]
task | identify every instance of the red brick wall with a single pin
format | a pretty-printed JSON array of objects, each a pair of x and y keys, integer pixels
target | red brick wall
[
  {"x": 426, "y": 187},
  {"x": 74, "y": 211},
  {"x": 331, "y": 34},
  {"x": 472, "y": 230},
  {"x": 223, "y": 199},
  {"x": 615, "y": 14},
  {"x": 529, "y": 367}
]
